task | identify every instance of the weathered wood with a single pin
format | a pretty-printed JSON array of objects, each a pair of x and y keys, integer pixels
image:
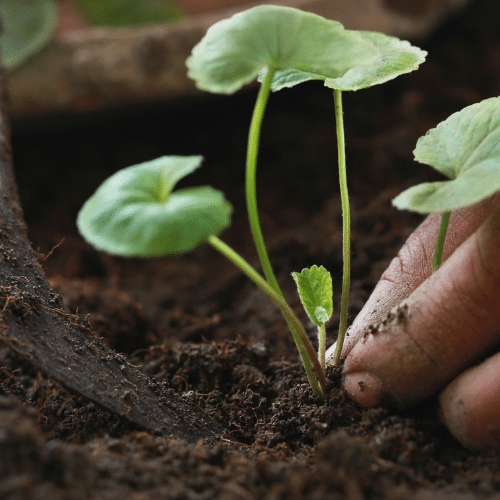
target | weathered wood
[{"x": 35, "y": 322}]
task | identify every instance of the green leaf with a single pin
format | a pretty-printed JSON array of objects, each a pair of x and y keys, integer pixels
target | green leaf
[
  {"x": 27, "y": 26},
  {"x": 134, "y": 212},
  {"x": 395, "y": 57},
  {"x": 315, "y": 289},
  {"x": 466, "y": 149},
  {"x": 299, "y": 45}
]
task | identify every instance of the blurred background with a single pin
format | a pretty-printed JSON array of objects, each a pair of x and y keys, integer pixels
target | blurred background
[{"x": 70, "y": 56}]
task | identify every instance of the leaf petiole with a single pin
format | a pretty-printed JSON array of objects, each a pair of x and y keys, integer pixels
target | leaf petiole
[
  {"x": 302, "y": 341},
  {"x": 346, "y": 225},
  {"x": 322, "y": 345},
  {"x": 251, "y": 179},
  {"x": 438, "y": 253}
]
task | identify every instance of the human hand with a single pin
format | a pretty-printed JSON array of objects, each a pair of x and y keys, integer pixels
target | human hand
[{"x": 420, "y": 333}]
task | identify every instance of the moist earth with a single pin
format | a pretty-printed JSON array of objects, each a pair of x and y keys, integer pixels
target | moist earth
[{"x": 195, "y": 324}]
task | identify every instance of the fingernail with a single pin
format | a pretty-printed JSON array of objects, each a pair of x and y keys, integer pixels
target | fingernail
[{"x": 364, "y": 388}]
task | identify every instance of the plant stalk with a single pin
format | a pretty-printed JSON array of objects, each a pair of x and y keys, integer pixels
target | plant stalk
[
  {"x": 322, "y": 345},
  {"x": 346, "y": 225},
  {"x": 251, "y": 179},
  {"x": 310, "y": 360},
  {"x": 438, "y": 253},
  {"x": 315, "y": 373}
]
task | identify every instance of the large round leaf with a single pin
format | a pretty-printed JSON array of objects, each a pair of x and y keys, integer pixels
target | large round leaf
[
  {"x": 303, "y": 45},
  {"x": 466, "y": 149},
  {"x": 27, "y": 26},
  {"x": 134, "y": 212},
  {"x": 395, "y": 57}
]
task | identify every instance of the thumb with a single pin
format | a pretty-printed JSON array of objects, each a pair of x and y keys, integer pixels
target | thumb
[
  {"x": 449, "y": 321},
  {"x": 413, "y": 265}
]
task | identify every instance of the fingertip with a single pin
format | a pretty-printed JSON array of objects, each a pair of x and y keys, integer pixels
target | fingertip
[
  {"x": 470, "y": 406},
  {"x": 364, "y": 388}
]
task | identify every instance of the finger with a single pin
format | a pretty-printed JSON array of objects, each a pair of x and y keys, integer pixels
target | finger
[
  {"x": 449, "y": 321},
  {"x": 413, "y": 265},
  {"x": 470, "y": 405}
]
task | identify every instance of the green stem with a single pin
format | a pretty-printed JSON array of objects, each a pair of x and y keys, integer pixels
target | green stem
[
  {"x": 314, "y": 372},
  {"x": 438, "y": 253},
  {"x": 311, "y": 363},
  {"x": 322, "y": 345},
  {"x": 346, "y": 230},
  {"x": 251, "y": 179}
]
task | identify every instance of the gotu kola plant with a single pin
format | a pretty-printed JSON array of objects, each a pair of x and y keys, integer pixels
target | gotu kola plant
[
  {"x": 394, "y": 57},
  {"x": 466, "y": 149},
  {"x": 282, "y": 47}
]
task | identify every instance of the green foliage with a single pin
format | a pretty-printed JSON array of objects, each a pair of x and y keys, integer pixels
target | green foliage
[
  {"x": 282, "y": 47},
  {"x": 315, "y": 290},
  {"x": 395, "y": 57},
  {"x": 466, "y": 149},
  {"x": 135, "y": 212},
  {"x": 129, "y": 12},
  {"x": 299, "y": 45},
  {"x": 27, "y": 26}
]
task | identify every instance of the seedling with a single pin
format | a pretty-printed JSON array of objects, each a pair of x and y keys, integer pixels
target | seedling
[
  {"x": 395, "y": 57},
  {"x": 135, "y": 212},
  {"x": 315, "y": 291},
  {"x": 283, "y": 47},
  {"x": 466, "y": 149}
]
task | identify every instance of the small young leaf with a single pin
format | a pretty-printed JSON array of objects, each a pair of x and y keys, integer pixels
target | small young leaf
[
  {"x": 27, "y": 26},
  {"x": 466, "y": 149},
  {"x": 315, "y": 289},
  {"x": 395, "y": 57},
  {"x": 134, "y": 212},
  {"x": 299, "y": 45}
]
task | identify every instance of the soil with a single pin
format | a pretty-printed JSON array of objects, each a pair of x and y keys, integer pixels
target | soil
[{"x": 196, "y": 325}]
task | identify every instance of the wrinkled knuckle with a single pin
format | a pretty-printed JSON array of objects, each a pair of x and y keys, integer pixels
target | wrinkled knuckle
[{"x": 408, "y": 263}]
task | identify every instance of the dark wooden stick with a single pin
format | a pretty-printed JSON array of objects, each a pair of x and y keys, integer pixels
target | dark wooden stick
[{"x": 34, "y": 321}]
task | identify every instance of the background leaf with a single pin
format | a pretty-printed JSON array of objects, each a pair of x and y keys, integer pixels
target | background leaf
[
  {"x": 466, "y": 149},
  {"x": 395, "y": 57},
  {"x": 235, "y": 51},
  {"x": 133, "y": 212},
  {"x": 27, "y": 26},
  {"x": 315, "y": 289}
]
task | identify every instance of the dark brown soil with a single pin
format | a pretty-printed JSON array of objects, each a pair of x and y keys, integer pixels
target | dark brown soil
[{"x": 194, "y": 324}]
